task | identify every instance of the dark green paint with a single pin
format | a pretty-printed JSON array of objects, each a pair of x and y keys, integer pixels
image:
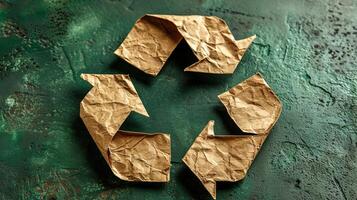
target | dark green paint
[{"x": 305, "y": 49}]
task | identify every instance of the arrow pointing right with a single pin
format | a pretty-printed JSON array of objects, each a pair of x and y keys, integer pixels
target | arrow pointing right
[{"x": 154, "y": 37}]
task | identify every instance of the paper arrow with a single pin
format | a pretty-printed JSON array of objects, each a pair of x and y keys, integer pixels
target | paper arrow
[
  {"x": 132, "y": 156},
  {"x": 221, "y": 158},
  {"x": 252, "y": 105},
  {"x": 154, "y": 37},
  {"x": 255, "y": 109}
]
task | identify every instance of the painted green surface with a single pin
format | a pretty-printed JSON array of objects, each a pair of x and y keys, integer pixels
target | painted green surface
[{"x": 305, "y": 49}]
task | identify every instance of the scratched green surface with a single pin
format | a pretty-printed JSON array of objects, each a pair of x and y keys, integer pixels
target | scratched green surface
[{"x": 305, "y": 49}]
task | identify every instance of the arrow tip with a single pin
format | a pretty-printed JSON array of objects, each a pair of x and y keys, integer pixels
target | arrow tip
[
  {"x": 190, "y": 158},
  {"x": 208, "y": 130},
  {"x": 211, "y": 188},
  {"x": 115, "y": 83},
  {"x": 90, "y": 78},
  {"x": 246, "y": 42}
]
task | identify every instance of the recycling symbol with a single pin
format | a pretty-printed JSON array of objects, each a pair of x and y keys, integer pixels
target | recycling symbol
[{"x": 136, "y": 156}]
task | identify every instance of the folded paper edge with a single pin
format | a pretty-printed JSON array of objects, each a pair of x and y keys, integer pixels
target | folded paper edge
[{"x": 246, "y": 43}]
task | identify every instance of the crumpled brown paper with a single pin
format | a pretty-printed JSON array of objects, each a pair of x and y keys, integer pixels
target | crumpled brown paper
[
  {"x": 154, "y": 37},
  {"x": 221, "y": 158},
  {"x": 252, "y": 105},
  {"x": 255, "y": 109},
  {"x": 140, "y": 156},
  {"x": 132, "y": 156}
]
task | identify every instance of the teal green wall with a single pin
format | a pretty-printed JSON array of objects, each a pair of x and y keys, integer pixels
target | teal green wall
[{"x": 306, "y": 50}]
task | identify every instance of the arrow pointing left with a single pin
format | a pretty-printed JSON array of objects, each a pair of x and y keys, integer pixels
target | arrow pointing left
[
  {"x": 255, "y": 109},
  {"x": 132, "y": 156},
  {"x": 221, "y": 158}
]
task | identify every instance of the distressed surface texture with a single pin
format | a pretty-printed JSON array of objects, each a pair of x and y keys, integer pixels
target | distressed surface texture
[{"x": 306, "y": 51}]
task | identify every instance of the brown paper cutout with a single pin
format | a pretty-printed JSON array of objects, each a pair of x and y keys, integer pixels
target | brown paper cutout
[
  {"x": 252, "y": 105},
  {"x": 221, "y": 158},
  {"x": 132, "y": 156},
  {"x": 154, "y": 37},
  {"x": 255, "y": 109}
]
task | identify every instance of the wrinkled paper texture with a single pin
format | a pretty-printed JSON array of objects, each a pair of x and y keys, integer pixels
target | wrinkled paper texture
[
  {"x": 255, "y": 109},
  {"x": 252, "y": 105},
  {"x": 221, "y": 158},
  {"x": 132, "y": 156},
  {"x": 154, "y": 37}
]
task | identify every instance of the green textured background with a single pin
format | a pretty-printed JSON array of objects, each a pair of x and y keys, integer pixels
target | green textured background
[{"x": 306, "y": 50}]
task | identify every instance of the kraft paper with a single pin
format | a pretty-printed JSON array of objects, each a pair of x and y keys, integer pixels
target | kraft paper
[
  {"x": 132, "y": 156},
  {"x": 255, "y": 109},
  {"x": 154, "y": 37}
]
